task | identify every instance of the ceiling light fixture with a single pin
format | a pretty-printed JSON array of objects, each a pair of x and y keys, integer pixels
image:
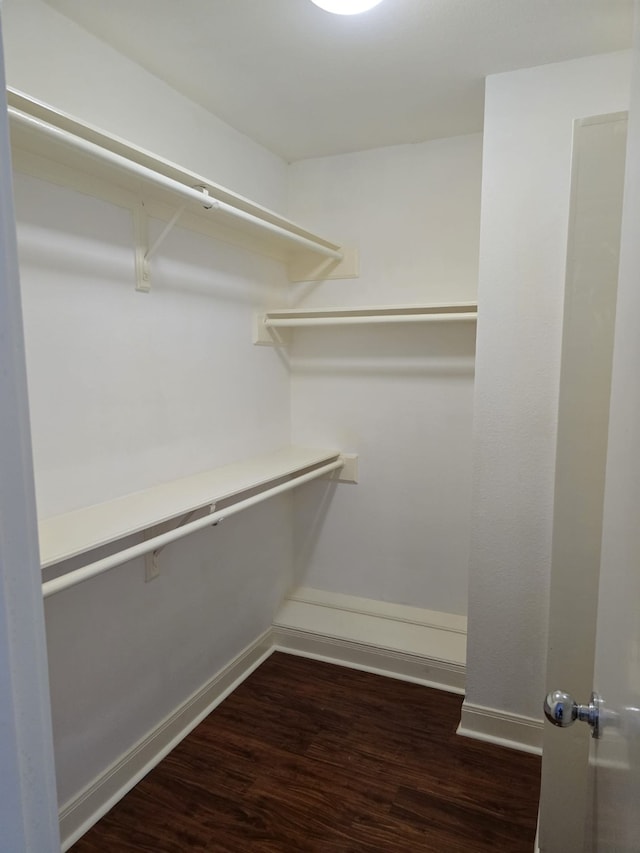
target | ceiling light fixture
[{"x": 346, "y": 7}]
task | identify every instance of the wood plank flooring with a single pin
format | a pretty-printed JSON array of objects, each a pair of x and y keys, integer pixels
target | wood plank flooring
[{"x": 306, "y": 757}]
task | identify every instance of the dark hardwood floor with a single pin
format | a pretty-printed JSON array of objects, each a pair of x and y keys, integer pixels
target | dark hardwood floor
[{"x": 305, "y": 756}]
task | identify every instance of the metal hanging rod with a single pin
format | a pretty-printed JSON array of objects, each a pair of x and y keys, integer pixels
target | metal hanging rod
[
  {"x": 281, "y": 232},
  {"x": 99, "y": 567},
  {"x": 294, "y": 322},
  {"x": 196, "y": 194},
  {"x": 56, "y": 134}
]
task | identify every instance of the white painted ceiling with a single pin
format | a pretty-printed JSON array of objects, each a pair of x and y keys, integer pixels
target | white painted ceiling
[{"x": 306, "y": 83}]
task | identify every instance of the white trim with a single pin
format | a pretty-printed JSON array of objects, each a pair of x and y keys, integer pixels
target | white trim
[
  {"x": 81, "y": 813},
  {"x": 392, "y": 639},
  {"x": 501, "y": 728},
  {"x": 28, "y": 804},
  {"x": 382, "y": 609},
  {"x": 368, "y": 658}
]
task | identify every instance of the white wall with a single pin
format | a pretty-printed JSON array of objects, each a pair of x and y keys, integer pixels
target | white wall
[
  {"x": 411, "y": 210},
  {"x": 399, "y": 397},
  {"x": 525, "y": 214},
  {"x": 129, "y": 389}
]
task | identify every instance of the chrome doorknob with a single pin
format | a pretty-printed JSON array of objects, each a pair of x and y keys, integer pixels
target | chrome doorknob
[{"x": 562, "y": 710}]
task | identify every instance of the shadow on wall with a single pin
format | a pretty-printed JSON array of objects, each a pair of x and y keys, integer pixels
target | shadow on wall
[
  {"x": 386, "y": 351},
  {"x": 87, "y": 241},
  {"x": 306, "y": 537}
]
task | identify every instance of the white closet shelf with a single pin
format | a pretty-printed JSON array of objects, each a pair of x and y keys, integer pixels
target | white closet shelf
[
  {"x": 54, "y": 145},
  {"x": 268, "y": 324},
  {"x": 80, "y": 531}
]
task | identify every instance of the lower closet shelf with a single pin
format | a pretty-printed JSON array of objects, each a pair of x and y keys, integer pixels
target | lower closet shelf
[
  {"x": 73, "y": 533},
  {"x": 406, "y": 642}
]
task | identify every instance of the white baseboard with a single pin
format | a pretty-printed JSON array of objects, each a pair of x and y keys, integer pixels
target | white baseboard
[
  {"x": 395, "y": 640},
  {"x": 436, "y": 674},
  {"x": 503, "y": 729},
  {"x": 77, "y": 816}
]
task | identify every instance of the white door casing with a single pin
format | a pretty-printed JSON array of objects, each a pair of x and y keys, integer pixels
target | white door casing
[
  {"x": 28, "y": 806},
  {"x": 598, "y": 168},
  {"x": 609, "y": 800},
  {"x": 614, "y": 810}
]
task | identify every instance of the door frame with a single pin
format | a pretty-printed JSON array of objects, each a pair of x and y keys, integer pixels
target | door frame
[
  {"x": 28, "y": 806},
  {"x": 595, "y": 225}
]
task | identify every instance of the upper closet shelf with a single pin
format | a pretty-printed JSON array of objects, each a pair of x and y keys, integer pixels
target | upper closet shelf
[
  {"x": 59, "y": 148},
  {"x": 268, "y": 326}
]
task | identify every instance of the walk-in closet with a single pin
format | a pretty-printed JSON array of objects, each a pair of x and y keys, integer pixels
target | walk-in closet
[{"x": 288, "y": 399}]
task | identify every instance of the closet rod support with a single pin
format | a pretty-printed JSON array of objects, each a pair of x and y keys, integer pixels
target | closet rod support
[
  {"x": 151, "y": 564},
  {"x": 143, "y": 254},
  {"x": 164, "y": 234}
]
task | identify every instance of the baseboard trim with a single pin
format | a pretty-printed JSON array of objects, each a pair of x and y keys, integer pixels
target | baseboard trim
[
  {"x": 368, "y": 658},
  {"x": 395, "y": 640},
  {"x": 397, "y": 613},
  {"x": 500, "y": 728},
  {"x": 79, "y": 815}
]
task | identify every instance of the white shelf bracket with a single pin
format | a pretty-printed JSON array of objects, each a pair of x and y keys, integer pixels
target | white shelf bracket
[
  {"x": 349, "y": 471},
  {"x": 305, "y": 266},
  {"x": 265, "y": 336},
  {"x": 151, "y": 563},
  {"x": 144, "y": 252},
  {"x": 141, "y": 241}
]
